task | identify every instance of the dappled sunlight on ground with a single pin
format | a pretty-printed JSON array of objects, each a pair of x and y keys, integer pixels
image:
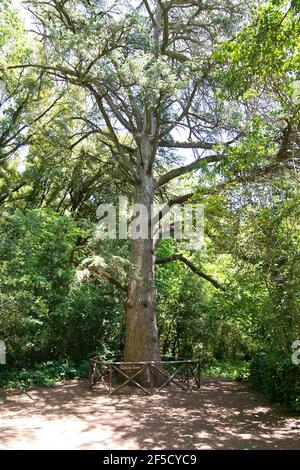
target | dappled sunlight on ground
[{"x": 222, "y": 415}]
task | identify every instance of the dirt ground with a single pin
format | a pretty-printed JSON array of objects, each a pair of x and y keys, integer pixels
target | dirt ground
[{"x": 222, "y": 415}]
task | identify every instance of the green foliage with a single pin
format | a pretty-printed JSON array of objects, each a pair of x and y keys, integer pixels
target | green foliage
[
  {"x": 238, "y": 371},
  {"x": 265, "y": 52},
  {"x": 44, "y": 375},
  {"x": 11, "y": 29},
  {"x": 45, "y": 313},
  {"x": 198, "y": 321},
  {"x": 277, "y": 377}
]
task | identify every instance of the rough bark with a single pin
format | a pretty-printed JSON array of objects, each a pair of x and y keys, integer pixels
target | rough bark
[{"x": 142, "y": 341}]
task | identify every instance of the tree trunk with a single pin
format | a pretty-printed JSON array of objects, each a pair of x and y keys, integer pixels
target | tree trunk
[{"x": 141, "y": 340}]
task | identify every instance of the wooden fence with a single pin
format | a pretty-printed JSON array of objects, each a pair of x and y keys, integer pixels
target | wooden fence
[{"x": 183, "y": 373}]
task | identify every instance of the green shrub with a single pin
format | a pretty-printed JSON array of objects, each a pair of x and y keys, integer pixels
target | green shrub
[
  {"x": 277, "y": 378},
  {"x": 44, "y": 375},
  {"x": 238, "y": 370}
]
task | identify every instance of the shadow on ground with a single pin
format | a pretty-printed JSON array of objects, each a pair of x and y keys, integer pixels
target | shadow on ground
[{"x": 222, "y": 415}]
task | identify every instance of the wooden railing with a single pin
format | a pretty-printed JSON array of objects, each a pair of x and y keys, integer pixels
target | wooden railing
[{"x": 183, "y": 373}]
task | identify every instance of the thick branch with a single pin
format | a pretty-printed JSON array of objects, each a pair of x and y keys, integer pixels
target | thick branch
[
  {"x": 5, "y": 195},
  {"x": 187, "y": 145},
  {"x": 50, "y": 68},
  {"x": 192, "y": 267},
  {"x": 108, "y": 277},
  {"x": 176, "y": 172},
  {"x": 183, "y": 114},
  {"x": 278, "y": 163}
]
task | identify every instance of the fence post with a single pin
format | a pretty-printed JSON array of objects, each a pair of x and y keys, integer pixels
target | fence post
[
  {"x": 110, "y": 379},
  {"x": 199, "y": 373},
  {"x": 151, "y": 378}
]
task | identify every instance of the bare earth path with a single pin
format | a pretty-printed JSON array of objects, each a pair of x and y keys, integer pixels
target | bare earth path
[{"x": 222, "y": 415}]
